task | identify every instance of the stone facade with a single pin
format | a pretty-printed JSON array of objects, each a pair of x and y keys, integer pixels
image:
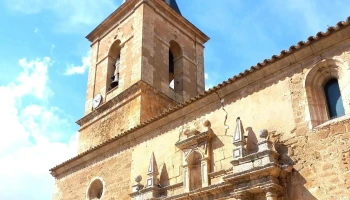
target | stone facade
[{"x": 263, "y": 134}]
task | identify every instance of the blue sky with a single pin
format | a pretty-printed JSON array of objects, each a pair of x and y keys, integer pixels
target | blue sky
[{"x": 44, "y": 58}]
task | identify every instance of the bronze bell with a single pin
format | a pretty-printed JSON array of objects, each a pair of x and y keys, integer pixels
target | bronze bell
[
  {"x": 115, "y": 81},
  {"x": 115, "y": 77}
]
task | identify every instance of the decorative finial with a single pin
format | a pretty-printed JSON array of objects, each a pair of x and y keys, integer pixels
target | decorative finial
[
  {"x": 263, "y": 133},
  {"x": 239, "y": 140},
  {"x": 152, "y": 172},
  {"x": 138, "y": 179},
  {"x": 207, "y": 124},
  {"x": 137, "y": 186}
]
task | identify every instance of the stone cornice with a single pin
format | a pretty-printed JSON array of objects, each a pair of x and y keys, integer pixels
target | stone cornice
[
  {"x": 270, "y": 169},
  {"x": 119, "y": 15},
  {"x": 257, "y": 155},
  {"x": 200, "y": 192},
  {"x": 114, "y": 102},
  {"x": 119, "y": 100},
  {"x": 159, "y": 4},
  {"x": 200, "y": 137},
  {"x": 129, "y": 7}
]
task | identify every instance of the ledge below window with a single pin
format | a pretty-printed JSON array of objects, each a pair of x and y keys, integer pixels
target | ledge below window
[{"x": 332, "y": 121}]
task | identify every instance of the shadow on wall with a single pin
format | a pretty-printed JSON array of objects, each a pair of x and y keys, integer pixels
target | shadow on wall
[
  {"x": 216, "y": 144},
  {"x": 252, "y": 141},
  {"x": 295, "y": 182},
  {"x": 164, "y": 179},
  {"x": 296, "y": 188}
]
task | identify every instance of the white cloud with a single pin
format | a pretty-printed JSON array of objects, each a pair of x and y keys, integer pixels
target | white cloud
[
  {"x": 79, "y": 69},
  {"x": 72, "y": 15},
  {"x": 206, "y": 76},
  {"x": 36, "y": 30},
  {"x": 29, "y": 146},
  {"x": 33, "y": 80}
]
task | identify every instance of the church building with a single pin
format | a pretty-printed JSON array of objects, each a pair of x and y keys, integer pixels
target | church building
[{"x": 280, "y": 130}]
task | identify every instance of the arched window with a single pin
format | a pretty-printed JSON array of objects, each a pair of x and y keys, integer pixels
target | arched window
[
  {"x": 324, "y": 85},
  {"x": 113, "y": 65},
  {"x": 333, "y": 98}
]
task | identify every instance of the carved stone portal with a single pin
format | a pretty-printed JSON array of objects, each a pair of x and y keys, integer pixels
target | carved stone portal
[{"x": 196, "y": 157}]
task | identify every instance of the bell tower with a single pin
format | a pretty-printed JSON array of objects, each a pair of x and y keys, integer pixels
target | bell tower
[{"x": 145, "y": 58}]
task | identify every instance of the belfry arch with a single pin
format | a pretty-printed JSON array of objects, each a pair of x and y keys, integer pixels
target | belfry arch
[
  {"x": 114, "y": 55},
  {"x": 175, "y": 66}
]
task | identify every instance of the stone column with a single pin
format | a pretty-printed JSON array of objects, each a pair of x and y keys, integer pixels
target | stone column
[
  {"x": 186, "y": 180},
  {"x": 271, "y": 194},
  {"x": 204, "y": 173}
]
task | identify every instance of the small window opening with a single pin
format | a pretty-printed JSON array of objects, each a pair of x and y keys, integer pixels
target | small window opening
[
  {"x": 95, "y": 190},
  {"x": 171, "y": 70},
  {"x": 333, "y": 98}
]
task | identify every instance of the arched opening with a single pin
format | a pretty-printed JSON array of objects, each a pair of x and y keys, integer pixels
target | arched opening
[
  {"x": 333, "y": 98},
  {"x": 175, "y": 66},
  {"x": 95, "y": 190},
  {"x": 171, "y": 70},
  {"x": 324, "y": 85},
  {"x": 195, "y": 171},
  {"x": 113, "y": 65}
]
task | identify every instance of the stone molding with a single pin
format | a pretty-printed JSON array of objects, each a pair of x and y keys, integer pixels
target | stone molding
[
  {"x": 119, "y": 15},
  {"x": 118, "y": 101},
  {"x": 129, "y": 7},
  {"x": 315, "y": 80},
  {"x": 196, "y": 139}
]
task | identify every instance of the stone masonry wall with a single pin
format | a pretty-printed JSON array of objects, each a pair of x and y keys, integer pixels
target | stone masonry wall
[
  {"x": 138, "y": 106},
  {"x": 322, "y": 162},
  {"x": 153, "y": 104},
  {"x": 114, "y": 170},
  {"x": 140, "y": 57},
  {"x": 117, "y": 121},
  {"x": 159, "y": 31},
  {"x": 130, "y": 57}
]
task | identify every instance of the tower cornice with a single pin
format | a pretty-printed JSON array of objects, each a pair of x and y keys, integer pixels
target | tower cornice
[
  {"x": 127, "y": 8},
  {"x": 118, "y": 101}
]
